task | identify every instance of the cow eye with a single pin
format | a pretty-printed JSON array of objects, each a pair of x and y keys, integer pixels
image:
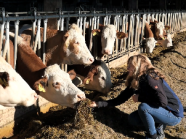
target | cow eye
[
  {"x": 102, "y": 78},
  {"x": 57, "y": 83},
  {"x": 76, "y": 42}
]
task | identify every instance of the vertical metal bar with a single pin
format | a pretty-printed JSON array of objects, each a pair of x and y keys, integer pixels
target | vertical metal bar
[
  {"x": 33, "y": 33},
  {"x": 91, "y": 21},
  {"x": 16, "y": 23},
  {"x": 125, "y": 30},
  {"x": 6, "y": 52},
  {"x": 39, "y": 37},
  {"x": 44, "y": 38},
  {"x": 136, "y": 42},
  {"x": 81, "y": 20},
  {"x": 58, "y": 23},
  {"x": 62, "y": 24},
  {"x": 84, "y": 26},
  {"x": 109, "y": 18},
  {"x": 143, "y": 27},
  {"x": 95, "y": 39},
  {"x": 116, "y": 44},
  {"x": 1, "y": 37}
]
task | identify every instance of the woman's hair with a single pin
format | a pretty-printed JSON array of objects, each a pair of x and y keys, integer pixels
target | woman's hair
[{"x": 142, "y": 65}]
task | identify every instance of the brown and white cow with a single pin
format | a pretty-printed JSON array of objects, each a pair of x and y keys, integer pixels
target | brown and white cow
[
  {"x": 14, "y": 91},
  {"x": 67, "y": 47},
  {"x": 94, "y": 77},
  {"x": 107, "y": 36},
  {"x": 165, "y": 42},
  {"x": 159, "y": 29},
  {"x": 149, "y": 38},
  {"x": 50, "y": 82}
]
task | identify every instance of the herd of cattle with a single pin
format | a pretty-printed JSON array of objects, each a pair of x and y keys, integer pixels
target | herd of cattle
[{"x": 33, "y": 78}]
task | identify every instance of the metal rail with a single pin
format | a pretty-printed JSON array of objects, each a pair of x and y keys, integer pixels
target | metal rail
[{"x": 132, "y": 22}]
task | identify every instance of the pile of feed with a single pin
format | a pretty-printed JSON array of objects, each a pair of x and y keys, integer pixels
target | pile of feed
[{"x": 112, "y": 122}]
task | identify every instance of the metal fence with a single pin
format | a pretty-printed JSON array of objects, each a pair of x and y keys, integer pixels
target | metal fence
[{"x": 126, "y": 21}]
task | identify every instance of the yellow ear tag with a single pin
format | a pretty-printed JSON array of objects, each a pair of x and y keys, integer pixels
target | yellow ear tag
[
  {"x": 87, "y": 81},
  {"x": 95, "y": 33},
  {"x": 163, "y": 38},
  {"x": 41, "y": 89},
  {"x": 157, "y": 44}
]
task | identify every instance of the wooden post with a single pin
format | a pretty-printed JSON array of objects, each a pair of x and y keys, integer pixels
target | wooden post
[
  {"x": 133, "y": 4},
  {"x": 52, "y": 5}
]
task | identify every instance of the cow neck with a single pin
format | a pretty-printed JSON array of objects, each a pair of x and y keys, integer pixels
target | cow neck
[
  {"x": 55, "y": 48},
  {"x": 29, "y": 65},
  {"x": 148, "y": 31}
]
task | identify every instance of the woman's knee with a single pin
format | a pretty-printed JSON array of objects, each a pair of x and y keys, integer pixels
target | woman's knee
[{"x": 143, "y": 107}]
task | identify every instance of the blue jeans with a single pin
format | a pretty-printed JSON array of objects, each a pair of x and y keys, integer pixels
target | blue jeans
[{"x": 147, "y": 116}]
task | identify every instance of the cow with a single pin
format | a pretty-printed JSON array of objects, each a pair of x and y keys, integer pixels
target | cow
[
  {"x": 67, "y": 47},
  {"x": 14, "y": 91},
  {"x": 106, "y": 38},
  {"x": 50, "y": 82},
  {"x": 158, "y": 29},
  {"x": 149, "y": 38},
  {"x": 165, "y": 42},
  {"x": 94, "y": 77}
]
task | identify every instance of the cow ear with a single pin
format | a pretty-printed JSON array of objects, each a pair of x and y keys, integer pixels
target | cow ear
[
  {"x": 39, "y": 86},
  {"x": 167, "y": 27},
  {"x": 65, "y": 36},
  {"x": 72, "y": 74},
  {"x": 121, "y": 35}
]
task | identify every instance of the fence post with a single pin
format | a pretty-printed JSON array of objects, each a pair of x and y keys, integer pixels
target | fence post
[
  {"x": 2, "y": 25},
  {"x": 16, "y": 23},
  {"x": 44, "y": 38},
  {"x": 6, "y": 52}
]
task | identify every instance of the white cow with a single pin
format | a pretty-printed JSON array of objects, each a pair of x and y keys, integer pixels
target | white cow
[
  {"x": 150, "y": 41},
  {"x": 50, "y": 82},
  {"x": 18, "y": 92},
  {"x": 57, "y": 87},
  {"x": 95, "y": 76},
  {"x": 67, "y": 47},
  {"x": 108, "y": 34}
]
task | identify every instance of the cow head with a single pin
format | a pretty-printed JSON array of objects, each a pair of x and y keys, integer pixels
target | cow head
[
  {"x": 167, "y": 42},
  {"x": 150, "y": 44},
  {"x": 169, "y": 38},
  {"x": 101, "y": 80},
  {"x": 17, "y": 92},
  {"x": 75, "y": 47},
  {"x": 108, "y": 37},
  {"x": 159, "y": 28},
  {"x": 57, "y": 87}
]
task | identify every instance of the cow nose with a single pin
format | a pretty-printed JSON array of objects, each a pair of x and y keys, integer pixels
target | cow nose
[
  {"x": 91, "y": 59},
  {"x": 36, "y": 96},
  {"x": 80, "y": 97}
]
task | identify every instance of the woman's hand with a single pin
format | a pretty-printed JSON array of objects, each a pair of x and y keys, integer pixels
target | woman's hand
[
  {"x": 93, "y": 104},
  {"x": 135, "y": 98}
]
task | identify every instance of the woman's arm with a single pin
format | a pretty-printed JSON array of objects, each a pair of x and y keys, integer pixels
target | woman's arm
[{"x": 124, "y": 96}]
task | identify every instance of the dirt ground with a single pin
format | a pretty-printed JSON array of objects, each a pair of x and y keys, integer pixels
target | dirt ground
[{"x": 112, "y": 122}]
